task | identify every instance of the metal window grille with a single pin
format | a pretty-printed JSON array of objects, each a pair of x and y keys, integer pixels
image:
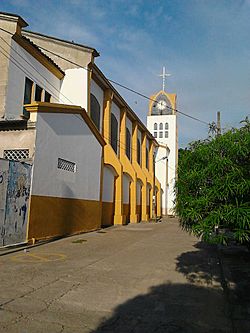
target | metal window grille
[
  {"x": 16, "y": 154},
  {"x": 66, "y": 165}
]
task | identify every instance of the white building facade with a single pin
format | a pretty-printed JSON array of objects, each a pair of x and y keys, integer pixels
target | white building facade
[{"x": 162, "y": 123}]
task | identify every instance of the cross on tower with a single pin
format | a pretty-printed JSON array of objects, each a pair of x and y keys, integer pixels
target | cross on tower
[{"x": 164, "y": 75}]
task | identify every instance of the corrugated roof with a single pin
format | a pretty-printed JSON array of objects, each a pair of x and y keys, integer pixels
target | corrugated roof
[
  {"x": 23, "y": 22},
  {"x": 95, "y": 52},
  {"x": 44, "y": 55}
]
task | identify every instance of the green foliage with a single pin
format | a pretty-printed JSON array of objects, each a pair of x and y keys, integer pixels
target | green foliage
[{"x": 213, "y": 187}]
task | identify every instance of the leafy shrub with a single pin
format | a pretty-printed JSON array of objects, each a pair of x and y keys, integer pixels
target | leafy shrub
[{"x": 213, "y": 187}]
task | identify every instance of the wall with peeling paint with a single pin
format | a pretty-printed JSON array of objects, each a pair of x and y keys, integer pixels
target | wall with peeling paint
[{"x": 15, "y": 178}]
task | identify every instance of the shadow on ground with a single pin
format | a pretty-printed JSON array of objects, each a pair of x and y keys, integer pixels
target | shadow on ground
[
  {"x": 201, "y": 265},
  {"x": 215, "y": 299},
  {"x": 171, "y": 308},
  {"x": 227, "y": 266}
]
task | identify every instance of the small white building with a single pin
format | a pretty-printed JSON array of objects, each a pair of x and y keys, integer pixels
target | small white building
[{"x": 162, "y": 123}]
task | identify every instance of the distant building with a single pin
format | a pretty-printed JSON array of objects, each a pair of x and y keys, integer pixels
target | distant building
[{"x": 162, "y": 123}]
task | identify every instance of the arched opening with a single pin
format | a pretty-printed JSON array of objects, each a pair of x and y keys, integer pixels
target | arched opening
[
  {"x": 138, "y": 152},
  {"x": 95, "y": 111},
  {"x": 128, "y": 144},
  {"x": 114, "y": 132},
  {"x": 166, "y": 130},
  {"x": 147, "y": 158}
]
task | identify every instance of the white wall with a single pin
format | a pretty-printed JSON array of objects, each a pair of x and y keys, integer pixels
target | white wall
[
  {"x": 23, "y": 139},
  {"x": 168, "y": 196},
  {"x": 148, "y": 194},
  {"x": 68, "y": 137},
  {"x": 99, "y": 95},
  {"x": 126, "y": 188},
  {"x": 108, "y": 185},
  {"x": 74, "y": 88},
  {"x": 16, "y": 80},
  {"x": 138, "y": 192}
]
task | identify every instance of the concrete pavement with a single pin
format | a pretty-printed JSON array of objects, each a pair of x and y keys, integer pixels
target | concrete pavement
[{"x": 148, "y": 277}]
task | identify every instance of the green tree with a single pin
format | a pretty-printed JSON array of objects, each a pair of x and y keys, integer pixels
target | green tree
[{"x": 213, "y": 187}]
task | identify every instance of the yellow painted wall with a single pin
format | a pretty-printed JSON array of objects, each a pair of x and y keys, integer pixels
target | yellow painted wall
[{"x": 50, "y": 216}]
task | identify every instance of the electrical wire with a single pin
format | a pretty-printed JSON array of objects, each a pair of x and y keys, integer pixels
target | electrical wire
[
  {"x": 24, "y": 70},
  {"x": 127, "y": 88},
  {"x": 35, "y": 70},
  {"x": 121, "y": 85}
]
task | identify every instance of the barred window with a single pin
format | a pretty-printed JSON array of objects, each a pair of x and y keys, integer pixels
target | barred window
[
  {"x": 66, "y": 165},
  {"x": 16, "y": 154}
]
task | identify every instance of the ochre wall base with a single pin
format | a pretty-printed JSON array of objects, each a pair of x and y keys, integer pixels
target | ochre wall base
[
  {"x": 107, "y": 214},
  {"x": 126, "y": 212},
  {"x": 134, "y": 218},
  {"x": 51, "y": 216},
  {"x": 119, "y": 219}
]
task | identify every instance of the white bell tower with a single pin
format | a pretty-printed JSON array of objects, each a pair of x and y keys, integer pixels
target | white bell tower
[{"x": 162, "y": 123}]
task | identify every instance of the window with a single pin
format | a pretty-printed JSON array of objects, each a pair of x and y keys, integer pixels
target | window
[
  {"x": 166, "y": 134},
  {"x": 114, "y": 132},
  {"x": 138, "y": 151},
  {"x": 66, "y": 165},
  {"x": 166, "y": 126},
  {"x": 38, "y": 94},
  {"x": 147, "y": 158},
  {"x": 128, "y": 144},
  {"x": 16, "y": 154},
  {"x": 95, "y": 111},
  {"x": 160, "y": 134},
  {"x": 47, "y": 97},
  {"x": 155, "y": 126},
  {"x": 27, "y": 95},
  {"x": 161, "y": 126},
  {"x": 155, "y": 134}
]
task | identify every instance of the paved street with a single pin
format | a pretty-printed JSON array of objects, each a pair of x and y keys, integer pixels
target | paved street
[{"x": 137, "y": 278}]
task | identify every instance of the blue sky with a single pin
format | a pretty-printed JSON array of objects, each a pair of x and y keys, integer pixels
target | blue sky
[{"x": 204, "y": 44}]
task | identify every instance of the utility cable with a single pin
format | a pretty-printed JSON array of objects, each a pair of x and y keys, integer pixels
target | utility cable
[
  {"x": 127, "y": 88},
  {"x": 35, "y": 70},
  {"x": 121, "y": 85}
]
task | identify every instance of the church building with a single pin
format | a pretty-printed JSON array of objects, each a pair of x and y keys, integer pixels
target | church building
[
  {"x": 91, "y": 156},
  {"x": 162, "y": 123}
]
